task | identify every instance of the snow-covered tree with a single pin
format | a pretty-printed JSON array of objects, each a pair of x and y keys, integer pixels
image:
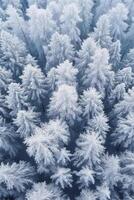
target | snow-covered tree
[
  {"x": 125, "y": 76},
  {"x": 59, "y": 50},
  {"x": 115, "y": 55},
  {"x": 87, "y": 194},
  {"x": 103, "y": 192},
  {"x": 86, "y": 15},
  {"x": 62, "y": 177},
  {"x": 102, "y": 32},
  {"x": 65, "y": 73},
  {"x": 125, "y": 106},
  {"x": 70, "y": 27},
  {"x": 16, "y": 99},
  {"x": 43, "y": 191},
  {"x": 13, "y": 53},
  {"x": 64, "y": 104},
  {"x": 86, "y": 177},
  {"x": 89, "y": 149},
  {"x": 117, "y": 94},
  {"x": 45, "y": 145},
  {"x": 98, "y": 73},
  {"x": 99, "y": 124},
  {"x": 118, "y": 16},
  {"x": 85, "y": 54},
  {"x": 111, "y": 170},
  {"x": 26, "y": 121},
  {"x": 91, "y": 104},
  {"x": 16, "y": 176},
  {"x": 8, "y": 138},
  {"x": 33, "y": 84},
  {"x": 5, "y": 79},
  {"x": 41, "y": 27},
  {"x": 127, "y": 167},
  {"x": 129, "y": 60},
  {"x": 104, "y": 6},
  {"x": 17, "y": 25},
  {"x": 124, "y": 132},
  {"x": 4, "y": 111}
]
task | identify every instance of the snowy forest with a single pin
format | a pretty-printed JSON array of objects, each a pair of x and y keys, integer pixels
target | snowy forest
[{"x": 66, "y": 99}]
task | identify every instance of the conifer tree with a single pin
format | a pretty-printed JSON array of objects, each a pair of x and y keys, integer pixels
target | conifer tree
[
  {"x": 59, "y": 50},
  {"x": 64, "y": 104},
  {"x": 33, "y": 84}
]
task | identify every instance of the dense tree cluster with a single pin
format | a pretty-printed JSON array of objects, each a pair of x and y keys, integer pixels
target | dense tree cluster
[{"x": 67, "y": 99}]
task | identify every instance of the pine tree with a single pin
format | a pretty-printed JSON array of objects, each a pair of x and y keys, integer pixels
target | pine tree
[
  {"x": 65, "y": 73},
  {"x": 103, "y": 192},
  {"x": 111, "y": 166},
  {"x": 16, "y": 176},
  {"x": 91, "y": 104},
  {"x": 124, "y": 132},
  {"x": 42, "y": 190},
  {"x": 117, "y": 94},
  {"x": 33, "y": 84},
  {"x": 125, "y": 106},
  {"x": 115, "y": 55},
  {"x": 64, "y": 104},
  {"x": 62, "y": 177},
  {"x": 118, "y": 16},
  {"x": 89, "y": 150},
  {"x": 70, "y": 27},
  {"x": 98, "y": 72},
  {"x": 129, "y": 61},
  {"x": 17, "y": 25},
  {"x": 46, "y": 145},
  {"x": 13, "y": 53},
  {"x": 8, "y": 139},
  {"x": 59, "y": 50},
  {"x": 104, "y": 6},
  {"x": 41, "y": 27},
  {"x": 86, "y": 177},
  {"x": 16, "y": 99},
  {"x": 5, "y": 79},
  {"x": 26, "y": 121},
  {"x": 85, "y": 54},
  {"x": 99, "y": 124},
  {"x": 102, "y": 32},
  {"x": 125, "y": 76},
  {"x": 87, "y": 194},
  {"x": 86, "y": 15}
]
